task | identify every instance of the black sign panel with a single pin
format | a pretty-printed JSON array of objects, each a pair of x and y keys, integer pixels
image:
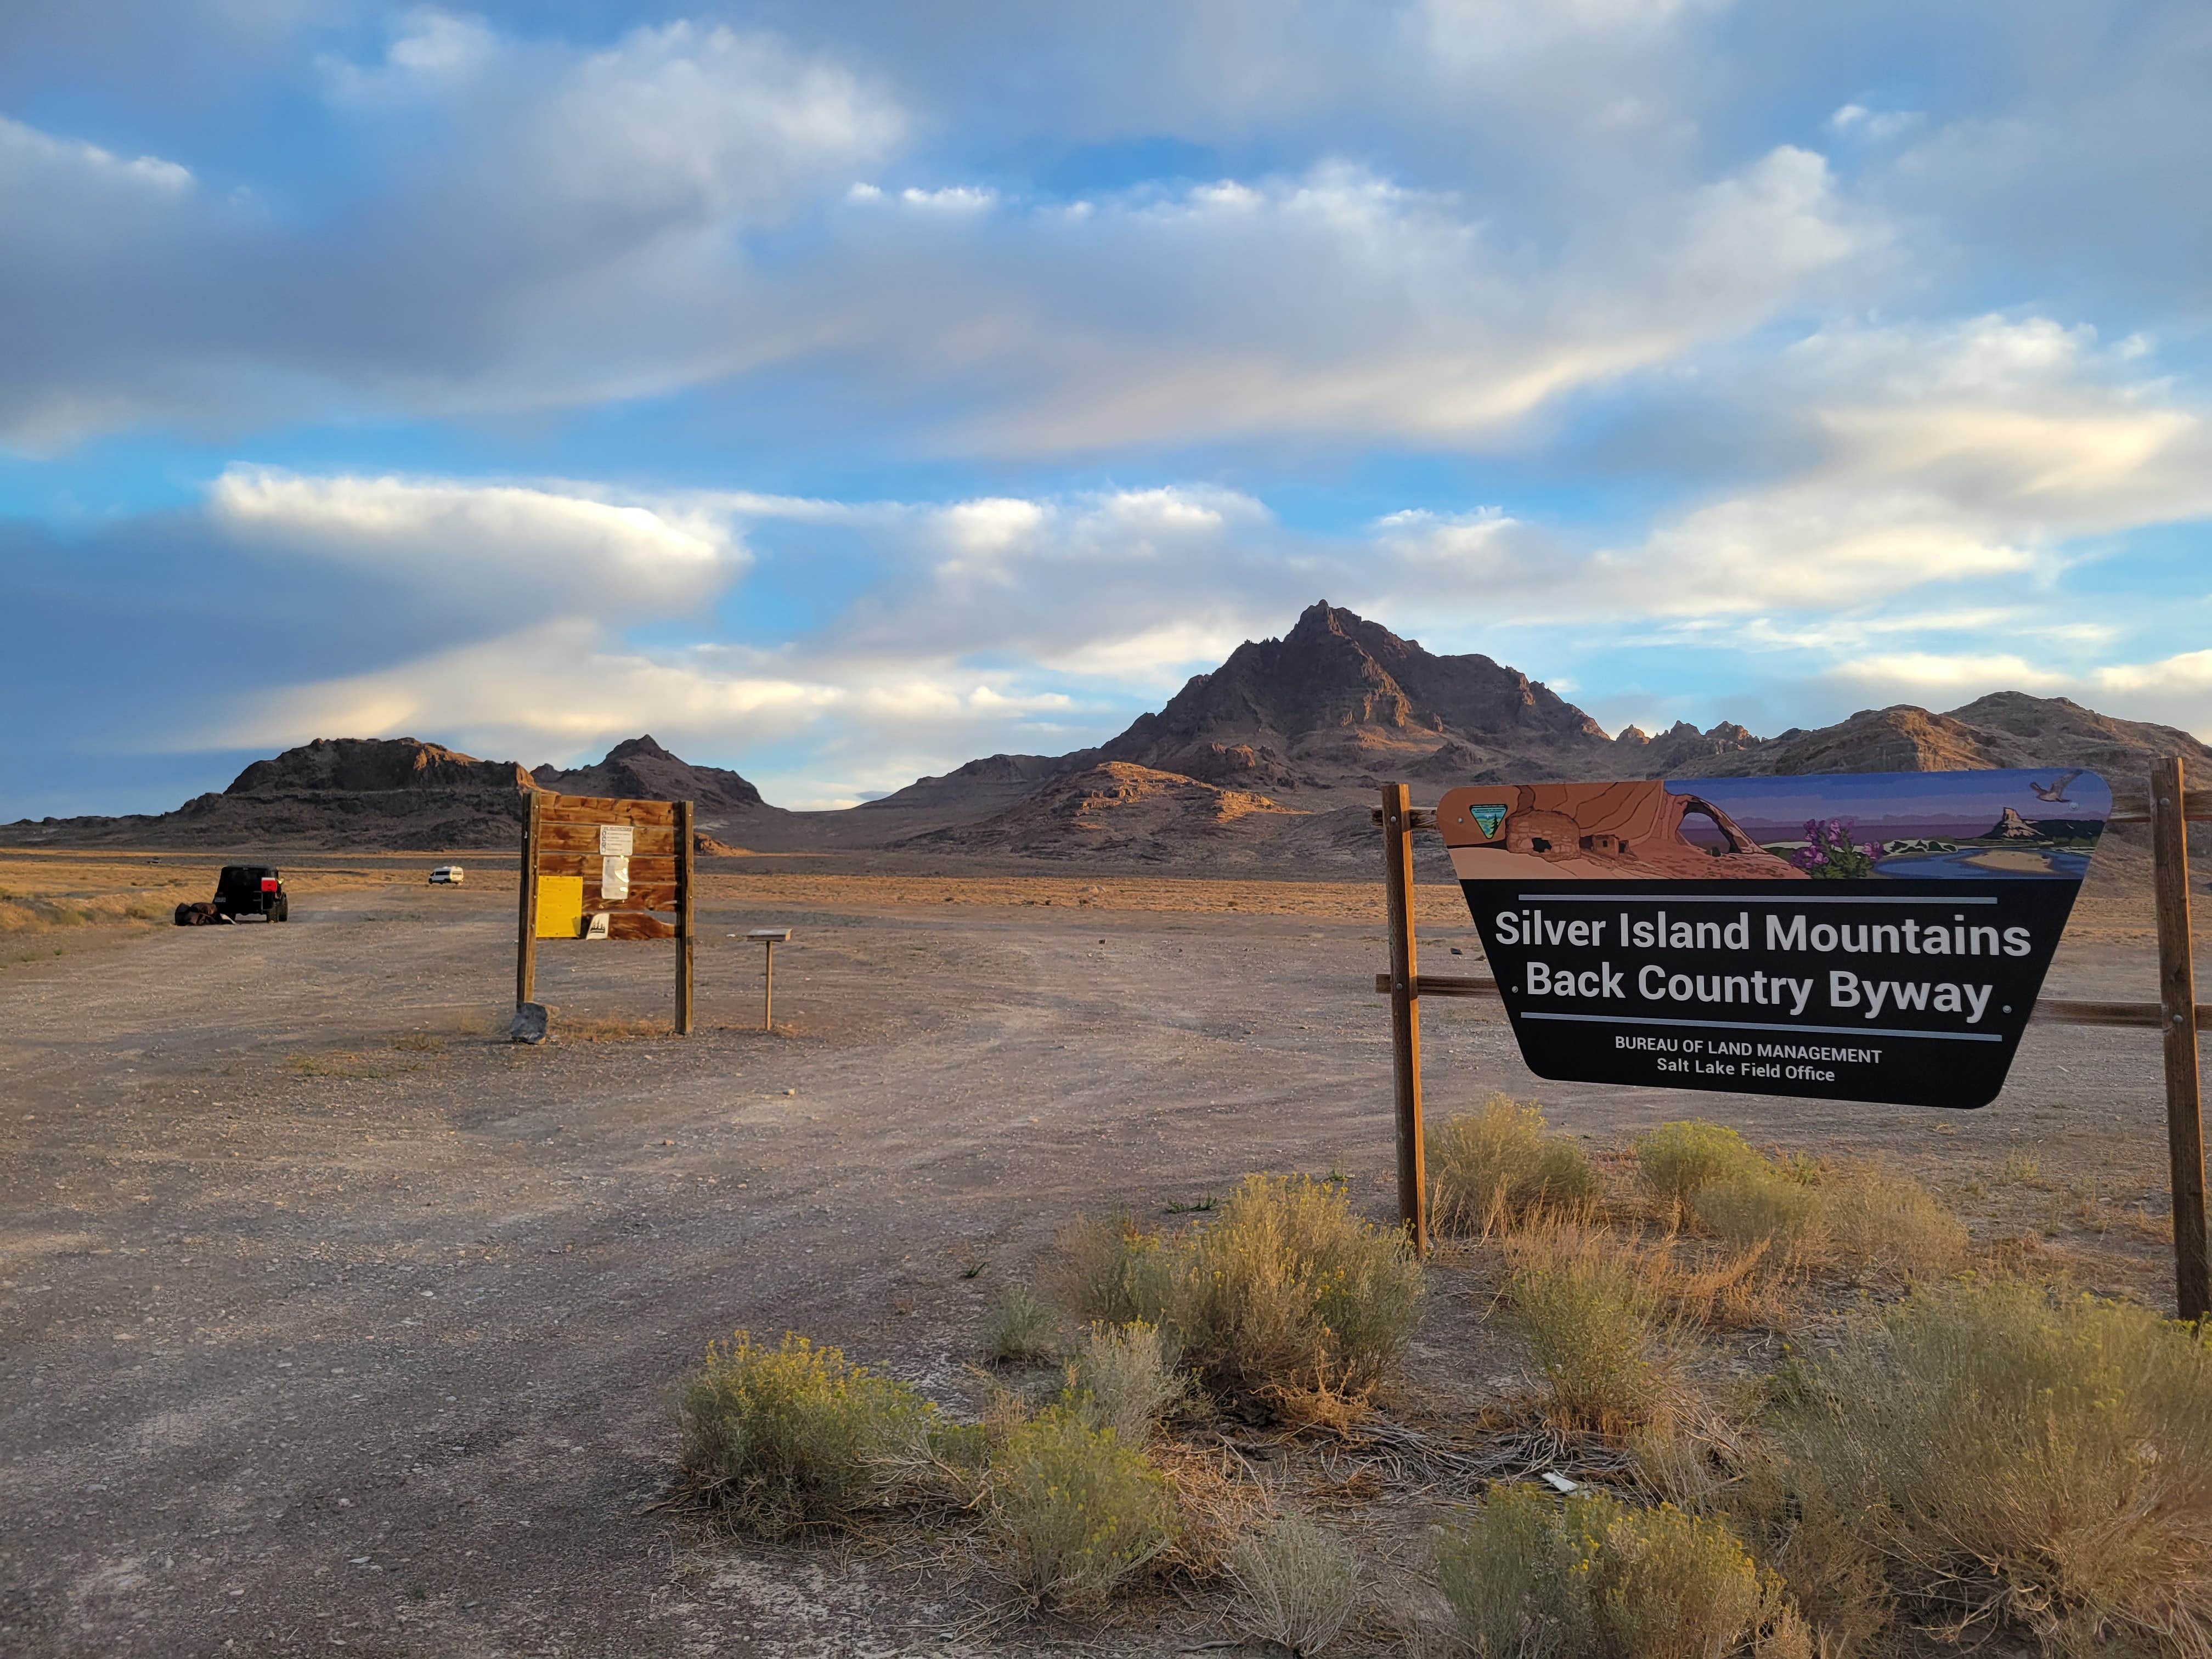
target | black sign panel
[{"x": 1688, "y": 935}]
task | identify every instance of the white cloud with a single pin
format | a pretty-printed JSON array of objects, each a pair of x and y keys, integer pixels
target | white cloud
[
  {"x": 697, "y": 121},
  {"x": 30, "y": 159},
  {"x": 2176, "y": 690},
  {"x": 550, "y": 226},
  {"x": 1340, "y": 301},
  {"x": 1935, "y": 677},
  {"x": 1876, "y": 126},
  {"x": 494, "y": 550},
  {"x": 564, "y": 690},
  {"x": 954, "y": 198},
  {"x": 533, "y": 225},
  {"x": 556, "y": 687},
  {"x": 431, "y": 53}
]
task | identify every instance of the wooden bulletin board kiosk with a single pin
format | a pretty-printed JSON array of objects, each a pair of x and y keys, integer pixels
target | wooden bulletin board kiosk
[{"x": 595, "y": 868}]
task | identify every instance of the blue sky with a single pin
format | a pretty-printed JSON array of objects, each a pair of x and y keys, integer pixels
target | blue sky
[{"x": 842, "y": 390}]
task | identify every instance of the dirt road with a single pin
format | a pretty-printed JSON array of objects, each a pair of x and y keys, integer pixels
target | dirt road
[{"x": 328, "y": 1321}]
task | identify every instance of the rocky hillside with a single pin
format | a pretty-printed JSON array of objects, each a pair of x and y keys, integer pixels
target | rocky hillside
[
  {"x": 368, "y": 765},
  {"x": 396, "y": 793},
  {"x": 1114, "y": 809},
  {"x": 2007, "y": 728}
]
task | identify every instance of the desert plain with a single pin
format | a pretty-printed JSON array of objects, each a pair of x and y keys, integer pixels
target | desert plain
[{"x": 335, "y": 1321}]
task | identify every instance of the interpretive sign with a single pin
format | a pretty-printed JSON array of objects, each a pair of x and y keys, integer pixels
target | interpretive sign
[{"x": 1876, "y": 937}]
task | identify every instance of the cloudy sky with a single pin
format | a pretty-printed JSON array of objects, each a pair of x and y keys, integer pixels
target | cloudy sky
[{"x": 842, "y": 390}]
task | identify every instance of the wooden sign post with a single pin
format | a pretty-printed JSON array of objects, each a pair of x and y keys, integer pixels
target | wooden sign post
[
  {"x": 2177, "y": 998},
  {"x": 594, "y": 867},
  {"x": 1405, "y": 1016}
]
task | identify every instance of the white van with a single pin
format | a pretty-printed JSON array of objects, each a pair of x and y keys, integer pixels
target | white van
[{"x": 446, "y": 875}]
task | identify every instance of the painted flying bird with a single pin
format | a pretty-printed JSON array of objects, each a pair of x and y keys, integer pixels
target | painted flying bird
[{"x": 2056, "y": 793}]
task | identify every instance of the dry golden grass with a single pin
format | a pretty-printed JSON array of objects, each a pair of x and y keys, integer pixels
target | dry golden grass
[
  {"x": 1598, "y": 1331},
  {"x": 1287, "y": 1298},
  {"x": 1714, "y": 1285},
  {"x": 1298, "y": 1584},
  {"x": 1018, "y": 1329},
  {"x": 606, "y": 1027},
  {"x": 1527, "y": 1573},
  {"x": 1073, "y": 1511},
  {"x": 1804, "y": 1216},
  {"x": 777, "y": 1439},
  {"x": 1996, "y": 1456},
  {"x": 1125, "y": 1377},
  {"x": 342, "y": 1063},
  {"x": 1500, "y": 1168},
  {"x": 24, "y": 915},
  {"x": 1677, "y": 1160},
  {"x": 1889, "y": 1222}
]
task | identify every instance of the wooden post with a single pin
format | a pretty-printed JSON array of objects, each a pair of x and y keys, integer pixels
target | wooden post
[
  {"x": 768, "y": 986},
  {"x": 1405, "y": 1017},
  {"x": 526, "y": 939},
  {"x": 686, "y": 934},
  {"x": 2177, "y": 996}
]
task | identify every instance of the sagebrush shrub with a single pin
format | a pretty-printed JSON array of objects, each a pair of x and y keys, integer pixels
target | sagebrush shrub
[
  {"x": 1074, "y": 1508},
  {"x": 1297, "y": 1583},
  {"x": 1677, "y": 1159},
  {"x": 796, "y": 1435},
  {"x": 1999, "y": 1450},
  {"x": 1125, "y": 1376},
  {"x": 1765, "y": 1207},
  {"x": 1887, "y": 1220},
  {"x": 1592, "y": 1322},
  {"x": 1498, "y": 1166},
  {"x": 1287, "y": 1291},
  {"x": 1528, "y": 1575},
  {"x": 1019, "y": 1328}
]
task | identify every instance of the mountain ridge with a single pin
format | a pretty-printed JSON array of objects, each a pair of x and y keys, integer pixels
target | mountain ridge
[{"x": 1283, "y": 743}]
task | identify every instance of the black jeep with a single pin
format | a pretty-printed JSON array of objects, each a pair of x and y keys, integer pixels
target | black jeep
[{"x": 251, "y": 889}]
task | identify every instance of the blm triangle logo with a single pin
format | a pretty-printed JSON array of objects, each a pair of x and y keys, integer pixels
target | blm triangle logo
[{"x": 1486, "y": 819}]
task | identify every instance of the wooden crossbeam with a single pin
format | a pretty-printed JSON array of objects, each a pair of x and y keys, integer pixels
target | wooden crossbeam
[
  {"x": 600, "y": 809},
  {"x": 2128, "y": 806},
  {"x": 654, "y": 866},
  {"x": 2133, "y": 806},
  {"x": 566, "y": 835}
]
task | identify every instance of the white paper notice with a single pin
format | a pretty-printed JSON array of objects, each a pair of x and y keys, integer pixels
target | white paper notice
[
  {"x": 616, "y": 840},
  {"x": 614, "y": 878}
]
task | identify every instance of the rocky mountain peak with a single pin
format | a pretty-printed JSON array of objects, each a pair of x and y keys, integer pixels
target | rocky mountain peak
[
  {"x": 1336, "y": 678},
  {"x": 639, "y": 768}
]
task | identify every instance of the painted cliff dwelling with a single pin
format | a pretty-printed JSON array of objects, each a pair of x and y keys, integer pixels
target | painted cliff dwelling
[{"x": 1597, "y": 831}]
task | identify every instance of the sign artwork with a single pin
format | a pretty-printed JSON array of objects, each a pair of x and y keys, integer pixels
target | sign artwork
[{"x": 1875, "y": 937}]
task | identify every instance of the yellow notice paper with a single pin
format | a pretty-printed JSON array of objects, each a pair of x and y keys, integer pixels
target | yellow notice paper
[{"x": 560, "y": 906}]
